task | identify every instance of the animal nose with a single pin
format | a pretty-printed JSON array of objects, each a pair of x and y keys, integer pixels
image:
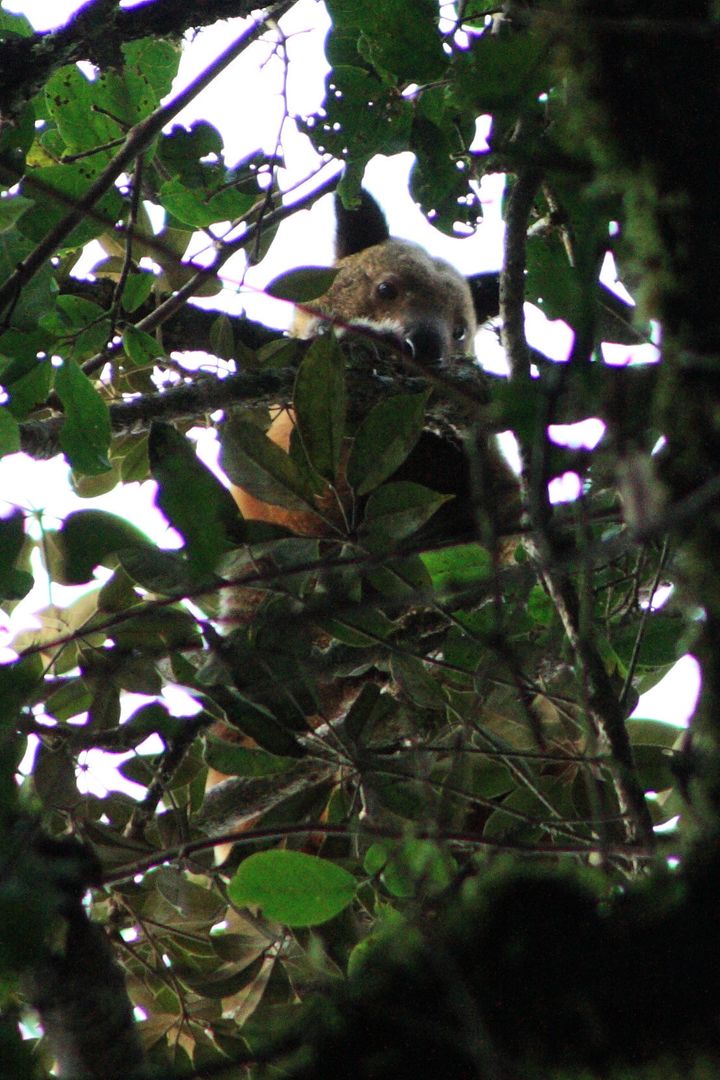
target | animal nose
[{"x": 426, "y": 341}]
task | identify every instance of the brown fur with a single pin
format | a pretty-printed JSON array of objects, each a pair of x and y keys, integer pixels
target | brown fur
[{"x": 397, "y": 286}]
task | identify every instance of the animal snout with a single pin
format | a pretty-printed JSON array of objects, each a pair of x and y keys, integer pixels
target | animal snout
[{"x": 428, "y": 341}]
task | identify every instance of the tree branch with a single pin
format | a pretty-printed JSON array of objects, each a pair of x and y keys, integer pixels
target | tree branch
[
  {"x": 96, "y": 33},
  {"x": 138, "y": 139},
  {"x": 605, "y": 711}
]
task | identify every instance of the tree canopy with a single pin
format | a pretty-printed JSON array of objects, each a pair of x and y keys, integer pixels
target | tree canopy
[{"x": 457, "y": 852}]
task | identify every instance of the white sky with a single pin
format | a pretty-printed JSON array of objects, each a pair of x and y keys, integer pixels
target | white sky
[{"x": 256, "y": 78}]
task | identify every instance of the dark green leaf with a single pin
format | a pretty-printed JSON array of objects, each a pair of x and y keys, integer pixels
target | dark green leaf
[
  {"x": 231, "y": 759},
  {"x": 141, "y": 348},
  {"x": 418, "y": 864},
  {"x": 397, "y": 510},
  {"x": 137, "y": 289},
  {"x": 88, "y": 537},
  {"x": 303, "y": 285},
  {"x": 384, "y": 440},
  {"x": 205, "y": 207},
  {"x": 653, "y": 732},
  {"x": 85, "y": 435},
  {"x": 255, "y": 463},
  {"x": 417, "y": 682},
  {"x": 54, "y": 779},
  {"x": 14, "y": 583},
  {"x": 319, "y": 401},
  {"x": 191, "y": 900},
  {"x": 191, "y": 497}
]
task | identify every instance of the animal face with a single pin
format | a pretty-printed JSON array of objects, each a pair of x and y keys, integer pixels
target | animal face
[{"x": 396, "y": 287}]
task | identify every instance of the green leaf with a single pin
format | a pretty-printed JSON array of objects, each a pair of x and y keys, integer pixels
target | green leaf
[
  {"x": 205, "y": 206},
  {"x": 319, "y": 400},
  {"x": 460, "y": 565},
  {"x": 54, "y": 779},
  {"x": 256, "y": 721},
  {"x": 384, "y": 440},
  {"x": 141, "y": 348},
  {"x": 416, "y": 682},
  {"x": 36, "y": 297},
  {"x": 182, "y": 149},
  {"x": 85, "y": 435},
  {"x": 14, "y": 583},
  {"x": 231, "y": 759},
  {"x": 18, "y": 682},
  {"x": 88, "y": 537},
  {"x": 361, "y": 711},
  {"x": 62, "y": 187},
  {"x": 376, "y": 857},
  {"x": 150, "y": 720},
  {"x": 256, "y": 464},
  {"x": 364, "y": 627},
  {"x": 397, "y": 510},
  {"x": 654, "y": 767},
  {"x": 407, "y": 49},
  {"x": 400, "y": 577},
  {"x": 11, "y": 208},
  {"x": 418, "y": 864},
  {"x": 292, "y": 888},
  {"x": 137, "y": 289},
  {"x": 659, "y": 644},
  {"x": 653, "y": 732},
  {"x": 501, "y": 72},
  {"x": 11, "y": 24},
  {"x": 222, "y": 338},
  {"x": 191, "y": 497},
  {"x": 191, "y": 900},
  {"x": 9, "y": 432},
  {"x": 151, "y": 64},
  {"x": 303, "y": 285}
]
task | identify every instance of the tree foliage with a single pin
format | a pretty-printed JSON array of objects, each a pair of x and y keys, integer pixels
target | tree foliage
[{"x": 449, "y": 860}]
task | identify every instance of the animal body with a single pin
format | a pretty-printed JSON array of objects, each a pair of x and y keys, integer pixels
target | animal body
[
  {"x": 397, "y": 289},
  {"x": 394, "y": 287}
]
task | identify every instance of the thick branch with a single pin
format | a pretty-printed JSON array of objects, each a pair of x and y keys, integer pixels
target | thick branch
[
  {"x": 40, "y": 438},
  {"x": 138, "y": 139},
  {"x": 76, "y": 986},
  {"x": 84, "y": 1008},
  {"x": 96, "y": 34}
]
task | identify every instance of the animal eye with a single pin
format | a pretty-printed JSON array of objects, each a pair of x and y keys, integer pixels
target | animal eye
[
  {"x": 459, "y": 332},
  {"x": 387, "y": 290}
]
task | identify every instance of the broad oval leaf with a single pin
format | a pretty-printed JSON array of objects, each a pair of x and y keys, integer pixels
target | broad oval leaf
[
  {"x": 384, "y": 440},
  {"x": 140, "y": 348},
  {"x": 256, "y": 464},
  {"x": 301, "y": 286},
  {"x": 319, "y": 399},
  {"x": 397, "y": 510},
  {"x": 85, "y": 436},
  {"x": 9, "y": 432},
  {"x": 88, "y": 537},
  {"x": 292, "y": 888},
  {"x": 184, "y": 486},
  {"x": 14, "y": 583},
  {"x": 461, "y": 564}
]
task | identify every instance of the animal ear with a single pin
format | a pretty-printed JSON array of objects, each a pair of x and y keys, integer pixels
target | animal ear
[
  {"x": 485, "y": 289},
  {"x": 360, "y": 227}
]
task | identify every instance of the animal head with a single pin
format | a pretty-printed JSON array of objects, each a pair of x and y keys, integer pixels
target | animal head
[{"x": 396, "y": 287}]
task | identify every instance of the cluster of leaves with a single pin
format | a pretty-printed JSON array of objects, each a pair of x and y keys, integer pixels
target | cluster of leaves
[{"x": 463, "y": 703}]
